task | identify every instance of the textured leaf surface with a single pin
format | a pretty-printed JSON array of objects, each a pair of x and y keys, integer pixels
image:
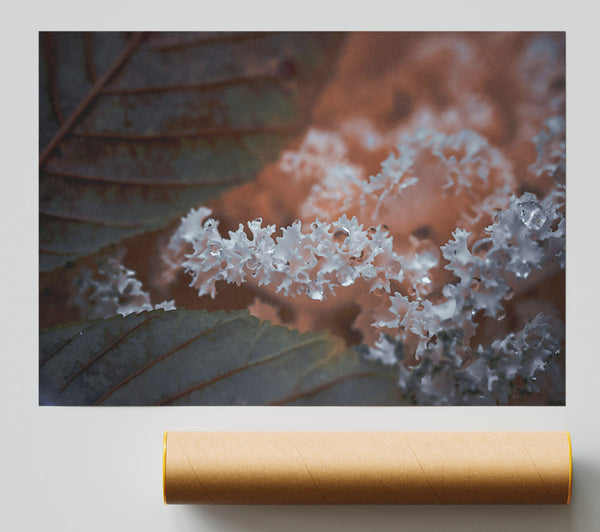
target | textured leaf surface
[
  {"x": 186, "y": 357},
  {"x": 137, "y": 129}
]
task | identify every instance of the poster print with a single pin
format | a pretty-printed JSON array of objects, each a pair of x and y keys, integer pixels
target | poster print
[{"x": 302, "y": 218}]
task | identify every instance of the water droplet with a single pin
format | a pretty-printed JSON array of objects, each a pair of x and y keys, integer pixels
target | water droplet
[
  {"x": 509, "y": 294},
  {"x": 340, "y": 235},
  {"x": 314, "y": 225},
  {"x": 346, "y": 275},
  {"x": 534, "y": 379},
  {"x": 279, "y": 265},
  {"x": 209, "y": 224},
  {"x": 475, "y": 283},
  {"x": 531, "y": 213},
  {"x": 425, "y": 280},
  {"x": 522, "y": 270},
  {"x": 215, "y": 248},
  {"x": 376, "y": 246},
  {"x": 266, "y": 244},
  {"x": 358, "y": 259},
  {"x": 393, "y": 270},
  {"x": 252, "y": 264},
  {"x": 371, "y": 232},
  {"x": 501, "y": 314},
  {"x": 314, "y": 292}
]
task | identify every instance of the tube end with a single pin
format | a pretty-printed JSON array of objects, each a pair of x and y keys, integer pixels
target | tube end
[
  {"x": 570, "y": 467},
  {"x": 164, "y": 467}
]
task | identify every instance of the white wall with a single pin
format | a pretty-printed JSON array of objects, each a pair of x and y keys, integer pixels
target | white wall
[{"x": 99, "y": 469}]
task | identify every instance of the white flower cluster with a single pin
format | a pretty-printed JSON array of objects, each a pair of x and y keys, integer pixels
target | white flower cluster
[
  {"x": 458, "y": 165},
  {"x": 320, "y": 150},
  {"x": 297, "y": 262},
  {"x": 525, "y": 236},
  {"x": 527, "y": 354},
  {"x": 426, "y": 323},
  {"x": 111, "y": 289}
]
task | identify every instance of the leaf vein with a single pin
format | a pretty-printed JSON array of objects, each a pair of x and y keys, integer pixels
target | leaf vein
[
  {"x": 104, "y": 351},
  {"x": 321, "y": 388},
  {"x": 84, "y": 104},
  {"x": 163, "y": 357},
  {"x": 232, "y": 372}
]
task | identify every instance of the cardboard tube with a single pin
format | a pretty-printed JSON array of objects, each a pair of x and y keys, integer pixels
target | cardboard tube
[{"x": 367, "y": 467}]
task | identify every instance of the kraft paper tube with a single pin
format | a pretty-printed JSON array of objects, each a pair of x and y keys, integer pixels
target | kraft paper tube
[{"x": 367, "y": 467}]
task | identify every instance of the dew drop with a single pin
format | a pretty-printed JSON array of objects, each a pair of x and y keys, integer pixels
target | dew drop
[
  {"x": 509, "y": 294},
  {"x": 522, "y": 270},
  {"x": 475, "y": 283},
  {"x": 346, "y": 275},
  {"x": 315, "y": 293},
  {"x": 393, "y": 270},
  {"x": 209, "y": 225},
  {"x": 501, "y": 314},
  {"x": 279, "y": 265},
  {"x": 340, "y": 235},
  {"x": 252, "y": 264},
  {"x": 532, "y": 214},
  {"x": 266, "y": 244},
  {"x": 358, "y": 259},
  {"x": 371, "y": 232},
  {"x": 215, "y": 248}
]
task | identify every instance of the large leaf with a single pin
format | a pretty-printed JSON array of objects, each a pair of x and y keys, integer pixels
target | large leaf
[
  {"x": 137, "y": 129},
  {"x": 186, "y": 357}
]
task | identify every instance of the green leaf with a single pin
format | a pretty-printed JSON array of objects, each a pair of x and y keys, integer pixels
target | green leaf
[
  {"x": 137, "y": 129},
  {"x": 184, "y": 357}
]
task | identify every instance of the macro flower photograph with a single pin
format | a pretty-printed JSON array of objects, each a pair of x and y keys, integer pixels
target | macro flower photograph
[{"x": 302, "y": 218}]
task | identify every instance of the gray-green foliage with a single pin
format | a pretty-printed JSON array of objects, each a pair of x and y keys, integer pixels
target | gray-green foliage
[
  {"x": 186, "y": 357},
  {"x": 181, "y": 118}
]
